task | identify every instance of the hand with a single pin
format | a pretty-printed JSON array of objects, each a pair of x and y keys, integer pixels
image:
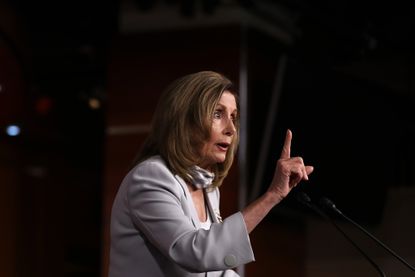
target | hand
[{"x": 289, "y": 171}]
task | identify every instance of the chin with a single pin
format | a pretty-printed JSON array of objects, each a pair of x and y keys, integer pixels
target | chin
[{"x": 221, "y": 160}]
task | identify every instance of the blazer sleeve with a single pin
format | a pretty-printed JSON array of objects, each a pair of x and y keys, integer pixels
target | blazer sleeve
[{"x": 154, "y": 199}]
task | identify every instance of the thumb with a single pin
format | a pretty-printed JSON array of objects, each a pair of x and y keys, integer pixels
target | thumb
[{"x": 309, "y": 169}]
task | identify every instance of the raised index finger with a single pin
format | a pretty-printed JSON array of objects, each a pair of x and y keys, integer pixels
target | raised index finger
[{"x": 286, "y": 149}]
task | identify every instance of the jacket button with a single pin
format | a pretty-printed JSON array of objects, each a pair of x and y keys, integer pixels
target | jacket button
[{"x": 230, "y": 260}]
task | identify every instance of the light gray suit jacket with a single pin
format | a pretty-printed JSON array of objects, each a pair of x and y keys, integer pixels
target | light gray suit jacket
[{"x": 155, "y": 229}]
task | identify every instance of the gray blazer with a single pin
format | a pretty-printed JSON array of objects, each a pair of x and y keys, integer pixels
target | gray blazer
[{"x": 155, "y": 229}]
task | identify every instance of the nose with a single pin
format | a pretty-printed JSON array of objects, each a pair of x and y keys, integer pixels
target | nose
[{"x": 230, "y": 128}]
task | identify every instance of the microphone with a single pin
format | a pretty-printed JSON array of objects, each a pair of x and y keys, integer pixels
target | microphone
[
  {"x": 327, "y": 203},
  {"x": 303, "y": 198}
]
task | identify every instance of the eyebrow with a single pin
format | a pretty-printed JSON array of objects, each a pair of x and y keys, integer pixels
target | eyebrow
[{"x": 224, "y": 107}]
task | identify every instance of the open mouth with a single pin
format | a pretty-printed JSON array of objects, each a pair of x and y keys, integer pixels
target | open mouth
[{"x": 223, "y": 146}]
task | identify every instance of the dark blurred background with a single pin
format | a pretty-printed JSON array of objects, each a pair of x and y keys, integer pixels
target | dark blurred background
[{"x": 79, "y": 81}]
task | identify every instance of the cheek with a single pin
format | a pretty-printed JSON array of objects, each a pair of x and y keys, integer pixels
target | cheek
[
  {"x": 211, "y": 141},
  {"x": 215, "y": 132},
  {"x": 207, "y": 148}
]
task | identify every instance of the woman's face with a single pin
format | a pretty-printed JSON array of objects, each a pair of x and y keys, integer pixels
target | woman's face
[{"x": 222, "y": 132}]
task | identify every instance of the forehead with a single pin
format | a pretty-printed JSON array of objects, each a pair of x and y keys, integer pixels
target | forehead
[{"x": 228, "y": 100}]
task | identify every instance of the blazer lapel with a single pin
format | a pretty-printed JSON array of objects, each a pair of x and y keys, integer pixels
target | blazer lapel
[
  {"x": 213, "y": 211},
  {"x": 189, "y": 203}
]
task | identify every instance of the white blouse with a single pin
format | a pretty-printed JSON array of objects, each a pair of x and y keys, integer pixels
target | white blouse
[{"x": 206, "y": 225}]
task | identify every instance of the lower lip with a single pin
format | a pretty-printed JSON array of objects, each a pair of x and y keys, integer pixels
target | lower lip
[{"x": 223, "y": 149}]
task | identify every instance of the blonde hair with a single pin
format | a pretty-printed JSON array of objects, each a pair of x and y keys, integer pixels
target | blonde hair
[{"x": 182, "y": 124}]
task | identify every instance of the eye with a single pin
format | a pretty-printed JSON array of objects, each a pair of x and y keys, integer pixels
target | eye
[
  {"x": 217, "y": 114},
  {"x": 233, "y": 117}
]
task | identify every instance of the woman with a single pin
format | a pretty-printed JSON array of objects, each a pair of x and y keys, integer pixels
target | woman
[{"x": 165, "y": 218}]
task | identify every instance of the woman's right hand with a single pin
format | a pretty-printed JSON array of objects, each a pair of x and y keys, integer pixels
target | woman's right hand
[{"x": 289, "y": 171}]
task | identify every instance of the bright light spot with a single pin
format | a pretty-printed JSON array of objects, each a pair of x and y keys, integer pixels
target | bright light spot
[
  {"x": 13, "y": 130},
  {"x": 1, "y": 88},
  {"x": 94, "y": 103}
]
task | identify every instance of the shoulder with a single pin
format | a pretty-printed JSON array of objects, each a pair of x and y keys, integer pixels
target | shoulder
[
  {"x": 154, "y": 165},
  {"x": 154, "y": 174}
]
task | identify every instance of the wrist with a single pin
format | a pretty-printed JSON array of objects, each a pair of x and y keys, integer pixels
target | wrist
[{"x": 273, "y": 197}]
